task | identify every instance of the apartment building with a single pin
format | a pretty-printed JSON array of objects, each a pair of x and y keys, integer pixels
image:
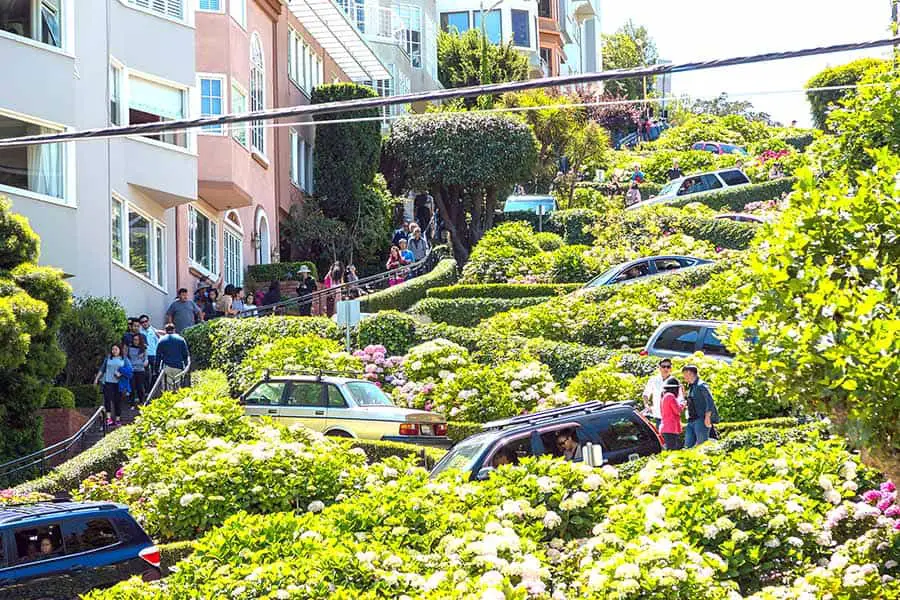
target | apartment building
[
  {"x": 104, "y": 209},
  {"x": 560, "y": 37},
  {"x": 251, "y": 55},
  {"x": 403, "y": 34}
]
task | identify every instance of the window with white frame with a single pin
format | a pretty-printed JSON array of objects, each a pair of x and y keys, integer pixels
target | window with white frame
[
  {"x": 239, "y": 105},
  {"x": 356, "y": 10},
  {"x": 212, "y": 100},
  {"x": 298, "y": 159},
  {"x": 233, "y": 256},
  {"x": 115, "y": 94},
  {"x": 202, "y": 240},
  {"x": 155, "y": 102},
  {"x": 174, "y": 9},
  {"x": 308, "y": 170},
  {"x": 257, "y": 93},
  {"x": 211, "y": 5},
  {"x": 38, "y": 168},
  {"x": 239, "y": 12},
  {"x": 409, "y": 36},
  {"x": 39, "y": 20},
  {"x": 138, "y": 241}
]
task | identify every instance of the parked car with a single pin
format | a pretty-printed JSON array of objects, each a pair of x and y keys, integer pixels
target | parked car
[
  {"x": 719, "y": 148},
  {"x": 620, "y": 430},
  {"x": 522, "y": 203},
  {"x": 683, "y": 338},
  {"x": 743, "y": 218},
  {"x": 343, "y": 407},
  {"x": 65, "y": 549},
  {"x": 644, "y": 267},
  {"x": 695, "y": 185}
]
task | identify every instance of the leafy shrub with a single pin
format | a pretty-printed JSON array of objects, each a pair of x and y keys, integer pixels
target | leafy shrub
[
  {"x": 59, "y": 397},
  {"x": 307, "y": 353},
  {"x": 502, "y": 290},
  {"x": 460, "y": 430},
  {"x": 282, "y": 271},
  {"x": 170, "y": 554},
  {"x": 822, "y": 102},
  {"x": 498, "y": 249},
  {"x": 404, "y": 295},
  {"x": 700, "y": 128},
  {"x": 799, "y": 142},
  {"x": 735, "y": 199},
  {"x": 605, "y": 384},
  {"x": 565, "y": 360},
  {"x": 724, "y": 233},
  {"x": 86, "y": 333},
  {"x": 574, "y": 225},
  {"x": 468, "y": 312},
  {"x": 548, "y": 241},
  {"x": 393, "y": 330},
  {"x": 425, "y": 362},
  {"x": 86, "y": 396},
  {"x": 378, "y": 451}
]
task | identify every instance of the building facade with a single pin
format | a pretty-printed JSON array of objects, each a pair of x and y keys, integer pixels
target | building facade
[
  {"x": 104, "y": 209},
  {"x": 252, "y": 55}
]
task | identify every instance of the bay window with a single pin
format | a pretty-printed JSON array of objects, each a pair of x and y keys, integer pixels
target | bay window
[
  {"x": 38, "y": 168},
  {"x": 202, "y": 240},
  {"x": 212, "y": 100},
  {"x": 154, "y": 102},
  {"x": 39, "y": 20},
  {"x": 239, "y": 105},
  {"x": 138, "y": 241},
  {"x": 257, "y": 94}
]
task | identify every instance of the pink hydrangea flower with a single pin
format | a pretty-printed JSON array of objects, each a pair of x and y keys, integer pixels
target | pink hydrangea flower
[
  {"x": 888, "y": 487},
  {"x": 120, "y": 473},
  {"x": 892, "y": 511},
  {"x": 872, "y": 496}
]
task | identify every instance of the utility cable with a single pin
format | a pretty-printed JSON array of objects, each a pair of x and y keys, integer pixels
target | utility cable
[{"x": 446, "y": 94}]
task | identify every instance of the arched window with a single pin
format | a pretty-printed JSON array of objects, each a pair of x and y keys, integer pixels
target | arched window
[
  {"x": 233, "y": 249},
  {"x": 264, "y": 249},
  {"x": 257, "y": 93}
]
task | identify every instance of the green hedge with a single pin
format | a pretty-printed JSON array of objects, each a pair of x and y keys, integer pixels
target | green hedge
[
  {"x": 170, "y": 554},
  {"x": 468, "y": 312},
  {"x": 284, "y": 271},
  {"x": 377, "y": 451},
  {"x": 575, "y": 225},
  {"x": 106, "y": 455},
  {"x": 503, "y": 290},
  {"x": 460, "y": 430},
  {"x": 726, "y": 429},
  {"x": 404, "y": 295},
  {"x": 723, "y": 233},
  {"x": 566, "y": 359},
  {"x": 59, "y": 397},
  {"x": 86, "y": 396},
  {"x": 734, "y": 199},
  {"x": 394, "y": 330},
  {"x": 799, "y": 142},
  {"x": 757, "y": 437}
]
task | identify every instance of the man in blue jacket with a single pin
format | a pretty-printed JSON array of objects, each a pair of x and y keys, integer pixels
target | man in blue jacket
[
  {"x": 173, "y": 356},
  {"x": 702, "y": 411}
]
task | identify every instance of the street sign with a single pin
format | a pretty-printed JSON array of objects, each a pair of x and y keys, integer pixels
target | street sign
[{"x": 347, "y": 314}]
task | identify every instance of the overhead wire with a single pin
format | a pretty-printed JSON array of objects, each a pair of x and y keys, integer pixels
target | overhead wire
[{"x": 438, "y": 95}]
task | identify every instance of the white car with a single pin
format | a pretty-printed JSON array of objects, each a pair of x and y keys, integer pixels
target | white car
[{"x": 696, "y": 185}]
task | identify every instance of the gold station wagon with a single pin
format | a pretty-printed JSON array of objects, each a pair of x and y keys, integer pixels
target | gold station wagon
[{"x": 343, "y": 407}]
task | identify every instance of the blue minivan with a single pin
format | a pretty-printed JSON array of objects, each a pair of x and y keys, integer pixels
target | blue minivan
[{"x": 60, "y": 550}]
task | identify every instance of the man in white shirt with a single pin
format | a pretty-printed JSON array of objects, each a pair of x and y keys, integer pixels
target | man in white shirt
[{"x": 653, "y": 391}]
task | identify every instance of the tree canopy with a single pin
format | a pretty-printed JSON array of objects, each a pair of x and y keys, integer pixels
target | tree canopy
[
  {"x": 459, "y": 61},
  {"x": 822, "y": 102},
  {"x": 629, "y": 47}
]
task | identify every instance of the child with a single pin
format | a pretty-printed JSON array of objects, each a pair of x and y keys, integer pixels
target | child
[{"x": 671, "y": 414}]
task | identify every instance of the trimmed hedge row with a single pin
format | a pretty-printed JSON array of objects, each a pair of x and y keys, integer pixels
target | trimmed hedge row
[
  {"x": 404, "y": 295},
  {"x": 468, "y": 312},
  {"x": 283, "y": 271},
  {"x": 734, "y": 199},
  {"x": 170, "y": 554},
  {"x": 59, "y": 397},
  {"x": 503, "y": 290},
  {"x": 723, "y": 233},
  {"x": 86, "y": 396},
  {"x": 799, "y": 142},
  {"x": 573, "y": 225},
  {"x": 106, "y": 455},
  {"x": 377, "y": 451}
]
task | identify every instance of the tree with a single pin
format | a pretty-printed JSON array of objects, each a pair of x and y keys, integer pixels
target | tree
[
  {"x": 468, "y": 161},
  {"x": 588, "y": 145},
  {"x": 86, "y": 333},
  {"x": 721, "y": 106},
  {"x": 629, "y": 47},
  {"x": 459, "y": 61},
  {"x": 32, "y": 300},
  {"x": 821, "y": 103}
]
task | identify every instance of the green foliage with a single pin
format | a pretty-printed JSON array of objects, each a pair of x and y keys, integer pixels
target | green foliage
[
  {"x": 468, "y": 161},
  {"x": 574, "y": 225},
  {"x": 629, "y": 47},
  {"x": 392, "y": 329},
  {"x": 799, "y": 141},
  {"x": 87, "y": 332},
  {"x": 59, "y": 397},
  {"x": 86, "y": 395},
  {"x": 377, "y": 451},
  {"x": 311, "y": 234},
  {"x": 605, "y": 383},
  {"x": 826, "y": 309},
  {"x": 708, "y": 128},
  {"x": 852, "y": 73},
  {"x": 20, "y": 243},
  {"x": 657, "y": 164},
  {"x": 722, "y": 233},
  {"x": 460, "y": 60},
  {"x": 404, "y": 295},
  {"x": 347, "y": 154},
  {"x": 498, "y": 250},
  {"x": 735, "y": 199},
  {"x": 548, "y": 241},
  {"x": 460, "y": 430},
  {"x": 468, "y": 312},
  {"x": 281, "y": 271},
  {"x": 172, "y": 553},
  {"x": 721, "y": 106},
  {"x": 564, "y": 359},
  {"x": 307, "y": 353},
  {"x": 502, "y": 290}
]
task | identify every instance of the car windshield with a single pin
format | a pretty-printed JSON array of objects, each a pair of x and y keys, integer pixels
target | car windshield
[
  {"x": 604, "y": 277},
  {"x": 528, "y": 205},
  {"x": 669, "y": 188},
  {"x": 464, "y": 454},
  {"x": 368, "y": 394},
  {"x": 732, "y": 149}
]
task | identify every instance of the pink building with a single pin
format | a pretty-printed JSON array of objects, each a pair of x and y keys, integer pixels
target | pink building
[{"x": 250, "y": 55}]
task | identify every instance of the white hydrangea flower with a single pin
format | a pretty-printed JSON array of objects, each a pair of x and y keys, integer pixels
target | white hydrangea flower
[
  {"x": 492, "y": 578},
  {"x": 833, "y": 496},
  {"x": 552, "y": 520},
  {"x": 316, "y": 506},
  {"x": 546, "y": 484}
]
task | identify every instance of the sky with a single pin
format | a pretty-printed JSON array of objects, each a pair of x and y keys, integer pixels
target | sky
[{"x": 689, "y": 30}]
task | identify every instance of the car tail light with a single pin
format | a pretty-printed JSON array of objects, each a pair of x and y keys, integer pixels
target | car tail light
[
  {"x": 644, "y": 353},
  {"x": 151, "y": 555},
  {"x": 440, "y": 429},
  {"x": 409, "y": 429}
]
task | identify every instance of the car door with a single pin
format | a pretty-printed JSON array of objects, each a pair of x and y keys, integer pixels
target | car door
[
  {"x": 546, "y": 440},
  {"x": 712, "y": 148},
  {"x": 713, "y": 346},
  {"x": 304, "y": 403},
  {"x": 624, "y": 437},
  {"x": 677, "y": 340},
  {"x": 33, "y": 574},
  {"x": 661, "y": 265},
  {"x": 691, "y": 185},
  {"x": 338, "y": 413},
  {"x": 711, "y": 182},
  {"x": 264, "y": 400},
  {"x": 100, "y": 558},
  {"x": 634, "y": 271}
]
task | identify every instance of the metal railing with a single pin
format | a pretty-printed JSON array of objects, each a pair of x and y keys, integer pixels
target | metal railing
[
  {"x": 42, "y": 458},
  {"x": 361, "y": 287},
  {"x": 166, "y": 383}
]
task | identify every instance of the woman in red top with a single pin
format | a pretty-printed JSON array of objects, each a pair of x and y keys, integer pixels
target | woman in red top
[{"x": 671, "y": 414}]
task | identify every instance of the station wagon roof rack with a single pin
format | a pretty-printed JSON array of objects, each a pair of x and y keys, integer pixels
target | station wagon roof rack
[
  {"x": 13, "y": 513},
  {"x": 587, "y": 407},
  {"x": 318, "y": 373}
]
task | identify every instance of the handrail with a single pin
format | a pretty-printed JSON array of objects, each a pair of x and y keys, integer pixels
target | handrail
[
  {"x": 43, "y": 455},
  {"x": 159, "y": 386}
]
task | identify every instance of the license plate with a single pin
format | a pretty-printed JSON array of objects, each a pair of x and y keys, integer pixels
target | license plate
[{"x": 426, "y": 430}]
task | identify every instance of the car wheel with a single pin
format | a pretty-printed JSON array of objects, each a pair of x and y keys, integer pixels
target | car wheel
[{"x": 338, "y": 433}]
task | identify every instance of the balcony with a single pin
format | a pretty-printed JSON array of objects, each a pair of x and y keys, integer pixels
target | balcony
[
  {"x": 224, "y": 172},
  {"x": 165, "y": 172}
]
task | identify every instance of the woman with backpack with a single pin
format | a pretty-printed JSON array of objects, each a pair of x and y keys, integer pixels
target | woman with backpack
[{"x": 111, "y": 372}]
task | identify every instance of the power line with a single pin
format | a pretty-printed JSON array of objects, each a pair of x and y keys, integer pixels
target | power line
[{"x": 447, "y": 94}]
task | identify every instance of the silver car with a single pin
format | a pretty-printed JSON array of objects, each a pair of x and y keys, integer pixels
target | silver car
[
  {"x": 683, "y": 338},
  {"x": 696, "y": 185},
  {"x": 644, "y": 267}
]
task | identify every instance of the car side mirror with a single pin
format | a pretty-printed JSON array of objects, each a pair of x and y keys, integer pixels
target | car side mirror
[
  {"x": 593, "y": 454},
  {"x": 484, "y": 473}
]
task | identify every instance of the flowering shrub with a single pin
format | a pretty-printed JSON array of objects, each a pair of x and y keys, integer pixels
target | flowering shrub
[
  {"x": 606, "y": 384},
  {"x": 427, "y": 362},
  {"x": 379, "y": 368},
  {"x": 306, "y": 352},
  {"x": 10, "y": 496}
]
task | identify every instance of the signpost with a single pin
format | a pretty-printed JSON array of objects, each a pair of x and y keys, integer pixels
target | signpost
[
  {"x": 347, "y": 314},
  {"x": 540, "y": 212}
]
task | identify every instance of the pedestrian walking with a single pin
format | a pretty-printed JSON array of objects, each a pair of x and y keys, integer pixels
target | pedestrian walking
[
  {"x": 675, "y": 171},
  {"x": 394, "y": 261},
  {"x": 126, "y": 374},
  {"x": 701, "y": 408},
  {"x": 184, "y": 312},
  {"x": 405, "y": 253},
  {"x": 653, "y": 391},
  {"x": 273, "y": 296},
  {"x": 137, "y": 357},
  {"x": 671, "y": 414},
  {"x": 174, "y": 357},
  {"x": 134, "y": 329},
  {"x": 110, "y": 373},
  {"x": 418, "y": 245},
  {"x": 334, "y": 279},
  {"x": 305, "y": 288},
  {"x": 151, "y": 335},
  {"x": 401, "y": 233}
]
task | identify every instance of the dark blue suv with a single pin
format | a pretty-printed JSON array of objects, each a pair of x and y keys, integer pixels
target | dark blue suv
[
  {"x": 63, "y": 549},
  {"x": 621, "y": 432}
]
